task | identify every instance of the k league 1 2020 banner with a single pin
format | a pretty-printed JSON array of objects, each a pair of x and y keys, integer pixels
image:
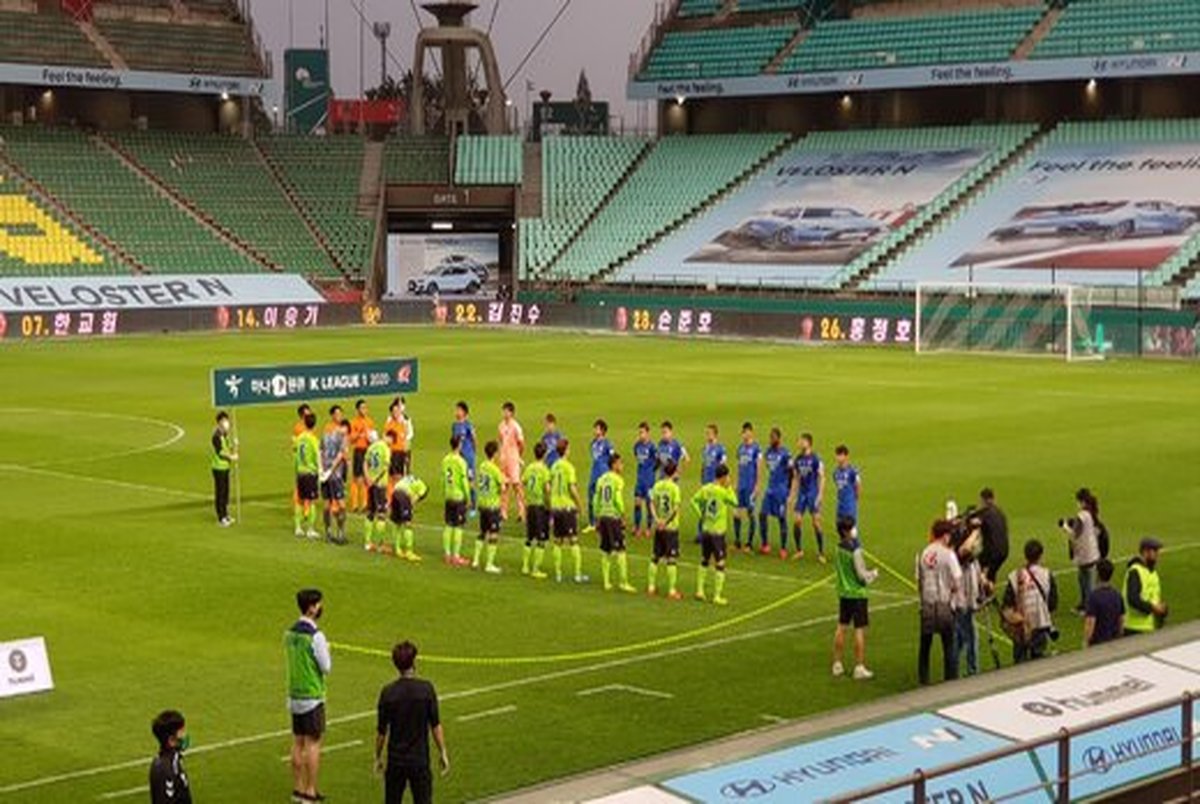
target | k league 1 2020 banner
[
  {"x": 809, "y": 214},
  {"x": 53, "y": 75},
  {"x": 157, "y": 292},
  {"x": 262, "y": 385}
]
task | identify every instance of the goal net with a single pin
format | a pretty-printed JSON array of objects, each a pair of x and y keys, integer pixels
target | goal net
[{"x": 1014, "y": 319}]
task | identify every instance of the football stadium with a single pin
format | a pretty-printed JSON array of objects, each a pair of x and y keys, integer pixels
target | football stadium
[{"x": 828, "y": 434}]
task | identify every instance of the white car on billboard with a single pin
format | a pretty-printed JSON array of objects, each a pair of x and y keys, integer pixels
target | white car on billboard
[
  {"x": 456, "y": 274},
  {"x": 1111, "y": 220},
  {"x": 798, "y": 227}
]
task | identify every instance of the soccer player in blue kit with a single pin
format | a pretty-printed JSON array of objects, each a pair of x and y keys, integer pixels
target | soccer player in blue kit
[
  {"x": 645, "y": 456},
  {"x": 848, "y": 480},
  {"x": 465, "y": 432},
  {"x": 808, "y": 491},
  {"x": 670, "y": 450},
  {"x": 550, "y": 437},
  {"x": 777, "y": 461},
  {"x": 602, "y": 450},
  {"x": 749, "y": 457}
]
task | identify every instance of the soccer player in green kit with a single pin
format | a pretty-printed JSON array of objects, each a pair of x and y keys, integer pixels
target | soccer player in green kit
[
  {"x": 407, "y": 492},
  {"x": 490, "y": 480},
  {"x": 664, "y": 504},
  {"x": 713, "y": 503},
  {"x": 376, "y": 461},
  {"x": 307, "y": 452},
  {"x": 456, "y": 489},
  {"x": 609, "y": 504},
  {"x": 564, "y": 512},
  {"x": 536, "y": 480}
]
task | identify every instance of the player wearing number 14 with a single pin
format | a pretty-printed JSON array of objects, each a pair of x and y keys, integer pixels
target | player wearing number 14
[
  {"x": 714, "y": 503},
  {"x": 491, "y": 481},
  {"x": 609, "y": 505}
]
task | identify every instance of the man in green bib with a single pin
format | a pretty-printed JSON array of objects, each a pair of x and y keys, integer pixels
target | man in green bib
[
  {"x": 224, "y": 456},
  {"x": 853, "y": 577},
  {"x": 1145, "y": 610},
  {"x": 308, "y": 663}
]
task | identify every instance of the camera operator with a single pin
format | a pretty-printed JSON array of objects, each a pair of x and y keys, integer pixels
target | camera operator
[
  {"x": 993, "y": 529},
  {"x": 1084, "y": 543},
  {"x": 1145, "y": 610},
  {"x": 1030, "y": 599},
  {"x": 939, "y": 584},
  {"x": 966, "y": 542}
]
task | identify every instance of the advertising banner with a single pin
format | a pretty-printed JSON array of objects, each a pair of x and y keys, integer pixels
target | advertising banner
[
  {"x": 52, "y": 294},
  {"x": 48, "y": 75},
  {"x": 1186, "y": 655},
  {"x": 24, "y": 667},
  {"x": 260, "y": 385},
  {"x": 443, "y": 265},
  {"x": 806, "y": 216},
  {"x": 306, "y": 89},
  {"x": 837, "y": 765}
]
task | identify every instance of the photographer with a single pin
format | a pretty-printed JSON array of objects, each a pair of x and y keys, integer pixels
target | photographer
[
  {"x": 966, "y": 543},
  {"x": 1145, "y": 610},
  {"x": 939, "y": 584},
  {"x": 1084, "y": 543},
  {"x": 993, "y": 529},
  {"x": 1030, "y": 600}
]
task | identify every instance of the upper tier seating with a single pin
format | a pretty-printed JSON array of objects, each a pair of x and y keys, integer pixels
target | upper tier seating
[
  {"x": 488, "y": 160},
  {"x": 723, "y": 52},
  {"x": 46, "y": 39},
  {"x": 1091, "y": 27},
  {"x": 35, "y": 240},
  {"x": 223, "y": 49},
  {"x": 417, "y": 160}
]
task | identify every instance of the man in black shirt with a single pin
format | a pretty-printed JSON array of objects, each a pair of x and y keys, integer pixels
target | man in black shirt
[
  {"x": 993, "y": 530},
  {"x": 168, "y": 780},
  {"x": 1104, "y": 619},
  {"x": 408, "y": 712}
]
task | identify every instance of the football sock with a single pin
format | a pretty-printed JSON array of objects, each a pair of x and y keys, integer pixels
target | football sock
[
  {"x": 606, "y": 569},
  {"x": 720, "y": 584},
  {"x": 700, "y": 579},
  {"x": 577, "y": 554},
  {"x": 526, "y": 552},
  {"x": 798, "y": 535},
  {"x": 737, "y": 530},
  {"x": 328, "y": 517},
  {"x": 409, "y": 540},
  {"x": 299, "y": 516},
  {"x": 447, "y": 536},
  {"x": 491, "y": 554},
  {"x": 341, "y": 522},
  {"x": 750, "y": 523},
  {"x": 672, "y": 577},
  {"x": 623, "y": 568},
  {"x": 637, "y": 517},
  {"x": 539, "y": 555},
  {"x": 458, "y": 539},
  {"x": 557, "y": 550},
  {"x": 783, "y": 531},
  {"x": 820, "y": 540},
  {"x": 369, "y": 534},
  {"x": 478, "y": 552},
  {"x": 652, "y": 574},
  {"x": 763, "y": 529}
]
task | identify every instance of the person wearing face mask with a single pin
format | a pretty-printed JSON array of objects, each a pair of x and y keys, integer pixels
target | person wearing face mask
[
  {"x": 1145, "y": 610},
  {"x": 308, "y": 663},
  {"x": 223, "y": 457},
  {"x": 168, "y": 779}
]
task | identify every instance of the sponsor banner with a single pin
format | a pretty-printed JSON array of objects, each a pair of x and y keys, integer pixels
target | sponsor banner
[
  {"x": 52, "y": 294},
  {"x": 839, "y": 765},
  {"x": 804, "y": 218},
  {"x": 306, "y": 89},
  {"x": 1186, "y": 655},
  {"x": 47, "y": 75},
  {"x": 975, "y": 73},
  {"x": 24, "y": 667},
  {"x": 640, "y": 795},
  {"x": 1040, "y": 710},
  {"x": 260, "y": 385},
  {"x": 443, "y": 266}
]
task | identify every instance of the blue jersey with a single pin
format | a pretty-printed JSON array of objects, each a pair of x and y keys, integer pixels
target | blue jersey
[
  {"x": 847, "y": 479},
  {"x": 645, "y": 454},
  {"x": 602, "y": 450},
  {"x": 712, "y": 456},
  {"x": 808, "y": 469},
  {"x": 551, "y": 438},
  {"x": 466, "y": 436},
  {"x": 669, "y": 449},
  {"x": 748, "y": 455},
  {"x": 779, "y": 470}
]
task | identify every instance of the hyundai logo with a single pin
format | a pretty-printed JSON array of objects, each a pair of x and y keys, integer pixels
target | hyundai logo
[
  {"x": 1041, "y": 708},
  {"x": 18, "y": 661},
  {"x": 747, "y": 788},
  {"x": 1096, "y": 759}
]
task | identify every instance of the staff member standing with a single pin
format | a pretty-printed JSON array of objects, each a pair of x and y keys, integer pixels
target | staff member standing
[
  {"x": 408, "y": 714},
  {"x": 168, "y": 779},
  {"x": 223, "y": 457},
  {"x": 993, "y": 531},
  {"x": 308, "y": 663},
  {"x": 939, "y": 585},
  {"x": 1145, "y": 610}
]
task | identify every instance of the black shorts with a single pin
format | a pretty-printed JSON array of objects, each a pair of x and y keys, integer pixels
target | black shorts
[
  {"x": 398, "y": 466},
  {"x": 566, "y": 523},
  {"x": 712, "y": 548},
  {"x": 360, "y": 455},
  {"x": 377, "y": 502},
  {"x": 307, "y": 487},
  {"x": 612, "y": 534},
  {"x": 489, "y": 522},
  {"x": 853, "y": 611},
  {"x": 402, "y": 512},
  {"x": 310, "y": 724},
  {"x": 455, "y": 513},
  {"x": 419, "y": 779},
  {"x": 666, "y": 544},
  {"x": 537, "y": 523}
]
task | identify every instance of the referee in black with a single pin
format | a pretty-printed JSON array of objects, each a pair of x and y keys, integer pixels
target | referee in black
[
  {"x": 408, "y": 713},
  {"x": 168, "y": 779}
]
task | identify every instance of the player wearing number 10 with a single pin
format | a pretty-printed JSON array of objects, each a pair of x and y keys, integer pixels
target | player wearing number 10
[
  {"x": 536, "y": 479},
  {"x": 713, "y": 503},
  {"x": 609, "y": 505}
]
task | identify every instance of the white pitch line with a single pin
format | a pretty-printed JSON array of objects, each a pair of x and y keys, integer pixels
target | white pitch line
[
  {"x": 177, "y": 433},
  {"x": 329, "y": 749},
  {"x": 460, "y": 694},
  {"x": 131, "y": 791},
  {"x": 499, "y": 710},
  {"x": 773, "y": 718},
  {"x": 632, "y": 690}
]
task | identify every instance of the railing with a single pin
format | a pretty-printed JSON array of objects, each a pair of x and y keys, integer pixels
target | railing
[
  {"x": 918, "y": 782},
  {"x": 663, "y": 11}
]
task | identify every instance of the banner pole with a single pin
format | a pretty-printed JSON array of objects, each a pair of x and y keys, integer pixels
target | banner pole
[{"x": 237, "y": 467}]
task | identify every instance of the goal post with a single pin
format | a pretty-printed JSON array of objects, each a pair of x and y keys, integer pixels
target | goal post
[{"x": 1054, "y": 320}]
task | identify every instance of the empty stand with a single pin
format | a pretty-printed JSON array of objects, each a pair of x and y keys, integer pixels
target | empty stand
[
  {"x": 417, "y": 160},
  {"x": 1091, "y": 27},
  {"x": 699, "y": 8},
  {"x": 716, "y": 52},
  {"x": 488, "y": 160},
  {"x": 221, "y": 48},
  {"x": 46, "y": 39}
]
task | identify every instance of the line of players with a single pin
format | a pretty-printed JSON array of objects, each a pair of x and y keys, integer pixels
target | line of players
[{"x": 547, "y": 494}]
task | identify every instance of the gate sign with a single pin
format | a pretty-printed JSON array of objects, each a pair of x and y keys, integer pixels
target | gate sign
[
  {"x": 24, "y": 667},
  {"x": 264, "y": 385}
]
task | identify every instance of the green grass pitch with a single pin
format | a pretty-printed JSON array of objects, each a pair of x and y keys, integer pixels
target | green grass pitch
[{"x": 109, "y": 550}]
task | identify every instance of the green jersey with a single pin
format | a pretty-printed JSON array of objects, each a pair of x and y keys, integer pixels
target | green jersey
[
  {"x": 609, "y": 499},
  {"x": 535, "y": 478},
  {"x": 412, "y": 487},
  {"x": 456, "y": 487},
  {"x": 308, "y": 453},
  {"x": 665, "y": 502},
  {"x": 376, "y": 463},
  {"x": 713, "y": 502},
  {"x": 490, "y": 482},
  {"x": 307, "y": 655},
  {"x": 849, "y": 585},
  {"x": 562, "y": 479}
]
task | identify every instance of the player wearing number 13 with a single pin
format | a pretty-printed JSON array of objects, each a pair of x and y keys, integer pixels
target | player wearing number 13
[
  {"x": 664, "y": 502},
  {"x": 456, "y": 489},
  {"x": 609, "y": 505},
  {"x": 714, "y": 503}
]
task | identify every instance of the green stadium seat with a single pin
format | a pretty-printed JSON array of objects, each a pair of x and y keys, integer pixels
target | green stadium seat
[
  {"x": 417, "y": 160},
  {"x": 488, "y": 160},
  {"x": 48, "y": 38},
  {"x": 1097, "y": 27}
]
